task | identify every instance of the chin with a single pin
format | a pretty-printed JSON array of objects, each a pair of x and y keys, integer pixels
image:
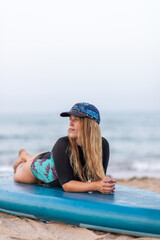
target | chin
[{"x": 72, "y": 136}]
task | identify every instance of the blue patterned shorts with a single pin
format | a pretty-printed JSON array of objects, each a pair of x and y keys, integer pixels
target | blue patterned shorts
[{"x": 44, "y": 168}]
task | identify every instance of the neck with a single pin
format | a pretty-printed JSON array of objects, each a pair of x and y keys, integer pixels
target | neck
[{"x": 78, "y": 142}]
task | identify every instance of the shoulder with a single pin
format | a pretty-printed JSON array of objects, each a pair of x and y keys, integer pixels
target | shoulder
[
  {"x": 62, "y": 143},
  {"x": 63, "y": 140},
  {"x": 105, "y": 143}
]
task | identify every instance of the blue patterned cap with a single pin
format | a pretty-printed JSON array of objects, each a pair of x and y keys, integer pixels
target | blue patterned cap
[{"x": 83, "y": 110}]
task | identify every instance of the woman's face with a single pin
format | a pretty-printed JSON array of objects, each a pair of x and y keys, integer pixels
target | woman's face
[{"x": 73, "y": 127}]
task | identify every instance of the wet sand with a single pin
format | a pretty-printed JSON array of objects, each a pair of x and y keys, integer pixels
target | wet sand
[{"x": 21, "y": 228}]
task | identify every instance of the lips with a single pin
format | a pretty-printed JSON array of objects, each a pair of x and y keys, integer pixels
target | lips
[{"x": 71, "y": 129}]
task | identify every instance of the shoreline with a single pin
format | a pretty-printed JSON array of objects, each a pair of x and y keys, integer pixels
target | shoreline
[
  {"x": 5, "y": 169},
  {"x": 145, "y": 183},
  {"x": 22, "y": 228}
]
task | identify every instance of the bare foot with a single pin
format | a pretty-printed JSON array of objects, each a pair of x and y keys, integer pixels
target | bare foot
[
  {"x": 20, "y": 151},
  {"x": 20, "y": 160}
]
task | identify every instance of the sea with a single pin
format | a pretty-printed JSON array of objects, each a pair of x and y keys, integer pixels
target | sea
[{"x": 134, "y": 139}]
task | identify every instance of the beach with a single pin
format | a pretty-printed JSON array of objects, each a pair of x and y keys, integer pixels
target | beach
[
  {"x": 134, "y": 153},
  {"x": 22, "y": 228}
]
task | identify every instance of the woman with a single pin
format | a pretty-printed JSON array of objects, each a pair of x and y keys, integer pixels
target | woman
[{"x": 77, "y": 162}]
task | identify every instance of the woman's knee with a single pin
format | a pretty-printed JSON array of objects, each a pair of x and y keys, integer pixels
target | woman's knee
[
  {"x": 19, "y": 176},
  {"x": 24, "y": 174},
  {"x": 24, "y": 178},
  {"x": 16, "y": 179}
]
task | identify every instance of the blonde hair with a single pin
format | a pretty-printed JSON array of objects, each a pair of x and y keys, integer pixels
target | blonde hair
[{"x": 91, "y": 143}]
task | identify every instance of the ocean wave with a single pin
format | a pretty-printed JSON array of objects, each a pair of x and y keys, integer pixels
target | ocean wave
[
  {"x": 146, "y": 166},
  {"x": 14, "y": 137},
  {"x": 6, "y": 169}
]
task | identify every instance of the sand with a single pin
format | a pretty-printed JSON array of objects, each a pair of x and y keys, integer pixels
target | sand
[{"x": 14, "y": 227}]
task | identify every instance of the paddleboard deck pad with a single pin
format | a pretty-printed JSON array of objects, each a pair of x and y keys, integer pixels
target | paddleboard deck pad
[{"x": 128, "y": 210}]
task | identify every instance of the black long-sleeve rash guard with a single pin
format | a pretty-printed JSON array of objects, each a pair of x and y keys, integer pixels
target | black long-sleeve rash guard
[{"x": 63, "y": 167}]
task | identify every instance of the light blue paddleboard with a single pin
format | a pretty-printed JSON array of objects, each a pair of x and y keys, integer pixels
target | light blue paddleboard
[{"x": 128, "y": 210}]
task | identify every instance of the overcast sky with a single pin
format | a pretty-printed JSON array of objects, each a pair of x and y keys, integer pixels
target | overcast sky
[{"x": 56, "y": 53}]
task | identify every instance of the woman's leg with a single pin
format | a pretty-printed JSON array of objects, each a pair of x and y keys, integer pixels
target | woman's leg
[
  {"x": 23, "y": 157},
  {"x": 22, "y": 168}
]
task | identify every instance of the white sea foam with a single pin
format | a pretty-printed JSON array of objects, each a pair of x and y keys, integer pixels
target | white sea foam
[
  {"x": 146, "y": 166},
  {"x": 6, "y": 169}
]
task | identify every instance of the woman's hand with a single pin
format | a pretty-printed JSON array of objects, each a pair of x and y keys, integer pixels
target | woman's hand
[{"x": 106, "y": 185}]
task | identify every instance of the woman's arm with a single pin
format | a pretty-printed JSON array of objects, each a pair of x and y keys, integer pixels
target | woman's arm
[
  {"x": 105, "y": 155},
  {"x": 105, "y": 186}
]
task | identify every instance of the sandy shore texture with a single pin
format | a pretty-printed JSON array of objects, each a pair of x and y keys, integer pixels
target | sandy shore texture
[{"x": 21, "y": 228}]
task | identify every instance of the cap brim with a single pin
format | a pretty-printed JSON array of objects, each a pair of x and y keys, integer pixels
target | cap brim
[{"x": 76, "y": 114}]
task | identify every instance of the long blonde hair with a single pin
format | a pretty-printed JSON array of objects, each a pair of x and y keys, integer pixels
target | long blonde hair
[{"x": 91, "y": 143}]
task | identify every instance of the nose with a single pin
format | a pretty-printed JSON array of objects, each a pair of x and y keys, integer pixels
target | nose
[{"x": 71, "y": 122}]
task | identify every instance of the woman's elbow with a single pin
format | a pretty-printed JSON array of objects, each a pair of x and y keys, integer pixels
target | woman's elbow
[{"x": 67, "y": 187}]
